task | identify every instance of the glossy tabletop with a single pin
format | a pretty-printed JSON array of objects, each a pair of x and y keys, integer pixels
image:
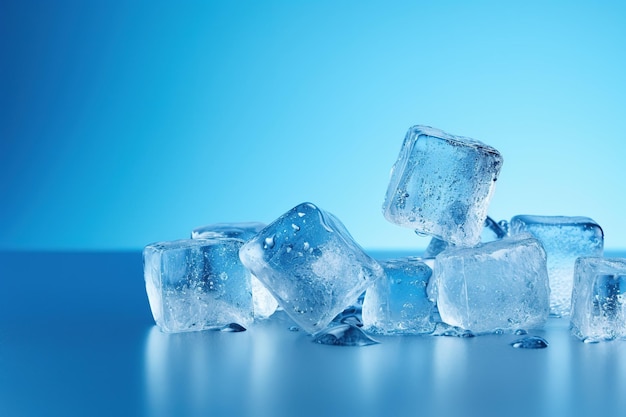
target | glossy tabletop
[{"x": 77, "y": 339}]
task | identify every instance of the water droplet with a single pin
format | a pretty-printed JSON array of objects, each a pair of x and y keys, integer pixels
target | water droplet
[
  {"x": 306, "y": 246},
  {"x": 288, "y": 248},
  {"x": 232, "y": 327},
  {"x": 504, "y": 225},
  {"x": 531, "y": 342},
  {"x": 344, "y": 335},
  {"x": 352, "y": 320},
  {"x": 421, "y": 234},
  {"x": 590, "y": 340},
  {"x": 295, "y": 227},
  {"x": 498, "y": 331},
  {"x": 300, "y": 214},
  {"x": 269, "y": 242},
  {"x": 294, "y": 329},
  {"x": 443, "y": 329},
  {"x": 520, "y": 332}
]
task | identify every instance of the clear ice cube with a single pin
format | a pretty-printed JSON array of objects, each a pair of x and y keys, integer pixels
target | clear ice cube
[
  {"x": 441, "y": 185},
  {"x": 398, "y": 303},
  {"x": 564, "y": 240},
  {"x": 311, "y": 264},
  {"x": 599, "y": 299},
  {"x": 197, "y": 284},
  {"x": 492, "y": 230},
  {"x": 496, "y": 286},
  {"x": 263, "y": 302}
]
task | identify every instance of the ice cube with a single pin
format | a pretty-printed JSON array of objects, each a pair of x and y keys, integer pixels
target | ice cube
[
  {"x": 398, "y": 303},
  {"x": 564, "y": 239},
  {"x": 441, "y": 185},
  {"x": 491, "y": 231},
  {"x": 263, "y": 301},
  {"x": 239, "y": 230},
  {"x": 599, "y": 299},
  {"x": 496, "y": 286},
  {"x": 311, "y": 264},
  {"x": 197, "y": 284}
]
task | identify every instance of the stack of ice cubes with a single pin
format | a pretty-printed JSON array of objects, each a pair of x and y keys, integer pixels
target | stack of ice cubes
[
  {"x": 565, "y": 239},
  {"x": 477, "y": 275}
]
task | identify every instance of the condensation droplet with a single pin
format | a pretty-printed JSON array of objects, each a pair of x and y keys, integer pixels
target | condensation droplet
[
  {"x": 269, "y": 242},
  {"x": 295, "y": 227}
]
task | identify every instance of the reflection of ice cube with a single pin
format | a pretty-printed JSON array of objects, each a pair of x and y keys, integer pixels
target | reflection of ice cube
[
  {"x": 499, "y": 285},
  {"x": 491, "y": 231},
  {"x": 398, "y": 303},
  {"x": 264, "y": 303},
  {"x": 564, "y": 239},
  {"x": 598, "y": 299},
  {"x": 311, "y": 264},
  {"x": 441, "y": 185},
  {"x": 197, "y": 284}
]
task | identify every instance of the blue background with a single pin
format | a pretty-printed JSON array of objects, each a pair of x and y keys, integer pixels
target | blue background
[{"x": 123, "y": 124}]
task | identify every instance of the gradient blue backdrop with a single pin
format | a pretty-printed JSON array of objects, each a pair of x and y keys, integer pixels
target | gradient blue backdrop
[{"x": 124, "y": 123}]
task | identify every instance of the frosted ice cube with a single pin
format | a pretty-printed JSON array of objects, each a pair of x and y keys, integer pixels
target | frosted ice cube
[
  {"x": 599, "y": 299},
  {"x": 564, "y": 239},
  {"x": 491, "y": 231},
  {"x": 197, "y": 284},
  {"x": 398, "y": 303},
  {"x": 263, "y": 302},
  {"x": 311, "y": 264},
  {"x": 441, "y": 185},
  {"x": 499, "y": 285}
]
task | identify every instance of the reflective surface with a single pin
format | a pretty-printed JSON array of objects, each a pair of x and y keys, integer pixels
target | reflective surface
[{"x": 77, "y": 338}]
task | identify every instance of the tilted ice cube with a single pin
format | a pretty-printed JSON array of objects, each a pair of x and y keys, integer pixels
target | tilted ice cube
[
  {"x": 499, "y": 285},
  {"x": 239, "y": 230},
  {"x": 491, "y": 231},
  {"x": 197, "y": 284},
  {"x": 441, "y": 185},
  {"x": 263, "y": 301},
  {"x": 398, "y": 303},
  {"x": 564, "y": 239},
  {"x": 311, "y": 264},
  {"x": 599, "y": 299}
]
